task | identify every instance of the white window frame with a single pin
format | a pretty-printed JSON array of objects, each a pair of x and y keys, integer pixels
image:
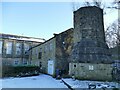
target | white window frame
[{"x": 91, "y": 67}]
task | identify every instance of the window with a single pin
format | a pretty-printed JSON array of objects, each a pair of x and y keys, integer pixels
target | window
[
  {"x": 91, "y": 67},
  {"x": 40, "y": 64},
  {"x": 16, "y": 62},
  {"x": 40, "y": 49},
  {"x": 1, "y": 47},
  {"x": 8, "y": 47},
  {"x": 74, "y": 65},
  {"x": 18, "y": 48},
  {"x": 26, "y": 47},
  {"x": 40, "y": 55},
  {"x": 45, "y": 48},
  {"x": 51, "y": 46},
  {"x": 36, "y": 51},
  {"x": 25, "y": 62}
]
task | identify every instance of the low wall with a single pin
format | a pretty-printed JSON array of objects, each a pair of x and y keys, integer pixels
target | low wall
[{"x": 89, "y": 71}]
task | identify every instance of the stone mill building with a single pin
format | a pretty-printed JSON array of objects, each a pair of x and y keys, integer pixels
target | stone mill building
[
  {"x": 90, "y": 57},
  {"x": 80, "y": 51}
]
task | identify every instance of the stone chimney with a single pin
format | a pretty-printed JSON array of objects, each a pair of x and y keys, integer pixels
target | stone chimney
[{"x": 89, "y": 36}]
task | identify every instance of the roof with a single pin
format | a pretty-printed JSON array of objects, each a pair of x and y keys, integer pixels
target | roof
[
  {"x": 51, "y": 38},
  {"x": 23, "y": 38}
]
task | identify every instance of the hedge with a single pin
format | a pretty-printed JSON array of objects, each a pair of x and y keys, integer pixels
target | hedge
[{"x": 19, "y": 71}]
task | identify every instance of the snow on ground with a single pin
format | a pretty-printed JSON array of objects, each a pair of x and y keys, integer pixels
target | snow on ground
[
  {"x": 46, "y": 81},
  {"x": 0, "y": 84},
  {"x": 85, "y": 83},
  {"x": 41, "y": 81}
]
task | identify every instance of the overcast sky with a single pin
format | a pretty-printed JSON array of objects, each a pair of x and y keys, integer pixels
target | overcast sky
[{"x": 40, "y": 19}]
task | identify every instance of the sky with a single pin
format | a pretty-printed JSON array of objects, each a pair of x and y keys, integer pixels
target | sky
[{"x": 40, "y": 19}]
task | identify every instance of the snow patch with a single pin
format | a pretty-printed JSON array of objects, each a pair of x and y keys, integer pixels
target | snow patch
[
  {"x": 86, "y": 84},
  {"x": 41, "y": 81}
]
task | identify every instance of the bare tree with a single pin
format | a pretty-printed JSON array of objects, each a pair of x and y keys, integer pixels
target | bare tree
[
  {"x": 86, "y": 3},
  {"x": 115, "y": 5},
  {"x": 113, "y": 34}
]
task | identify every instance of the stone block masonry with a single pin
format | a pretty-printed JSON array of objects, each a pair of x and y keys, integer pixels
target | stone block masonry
[
  {"x": 89, "y": 71},
  {"x": 90, "y": 57},
  {"x": 89, "y": 37}
]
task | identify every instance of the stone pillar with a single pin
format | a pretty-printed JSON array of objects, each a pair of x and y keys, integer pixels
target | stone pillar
[{"x": 89, "y": 36}]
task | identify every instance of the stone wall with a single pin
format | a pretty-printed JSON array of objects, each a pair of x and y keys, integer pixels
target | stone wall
[
  {"x": 9, "y": 54},
  {"x": 89, "y": 71},
  {"x": 88, "y": 23},
  {"x": 57, "y": 49},
  {"x": 47, "y": 51},
  {"x": 89, "y": 37},
  {"x": 115, "y": 53},
  {"x": 64, "y": 45}
]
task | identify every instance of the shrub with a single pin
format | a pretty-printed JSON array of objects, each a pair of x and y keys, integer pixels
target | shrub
[
  {"x": 115, "y": 89},
  {"x": 10, "y": 71}
]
